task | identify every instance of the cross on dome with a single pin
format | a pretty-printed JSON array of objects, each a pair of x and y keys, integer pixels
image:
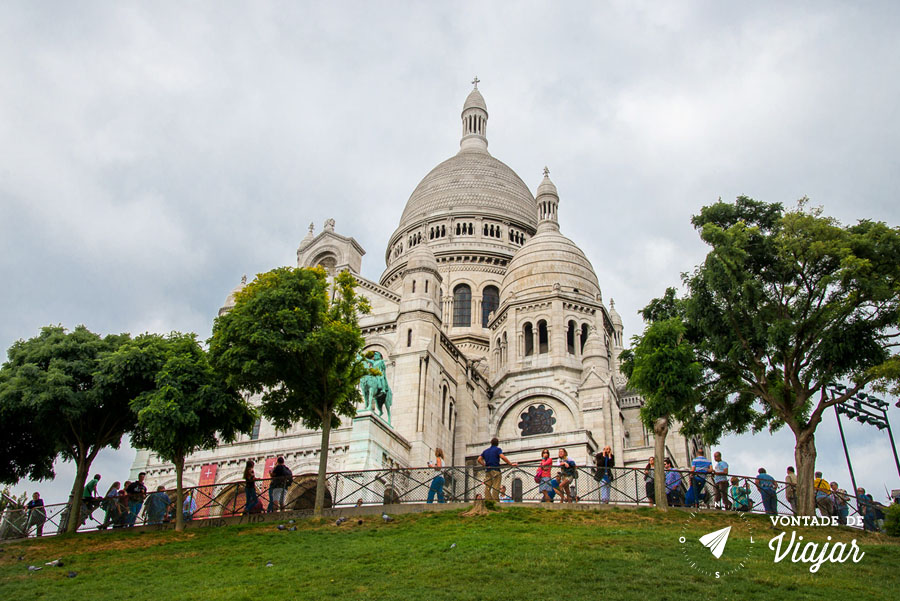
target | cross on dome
[
  {"x": 475, "y": 82},
  {"x": 546, "y": 171}
]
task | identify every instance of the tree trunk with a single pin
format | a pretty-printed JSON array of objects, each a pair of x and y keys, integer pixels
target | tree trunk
[
  {"x": 323, "y": 464},
  {"x": 660, "y": 430},
  {"x": 81, "y": 469},
  {"x": 805, "y": 456},
  {"x": 179, "y": 494}
]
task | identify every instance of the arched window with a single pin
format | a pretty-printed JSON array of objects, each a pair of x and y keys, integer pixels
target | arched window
[
  {"x": 570, "y": 338},
  {"x": 529, "y": 340},
  {"x": 584, "y": 335},
  {"x": 543, "y": 337},
  {"x": 462, "y": 306},
  {"x": 426, "y": 286},
  {"x": 409, "y": 337},
  {"x": 444, "y": 404},
  {"x": 450, "y": 417},
  {"x": 414, "y": 287},
  {"x": 490, "y": 300}
]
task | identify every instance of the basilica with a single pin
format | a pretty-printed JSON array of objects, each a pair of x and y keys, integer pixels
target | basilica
[{"x": 488, "y": 322}]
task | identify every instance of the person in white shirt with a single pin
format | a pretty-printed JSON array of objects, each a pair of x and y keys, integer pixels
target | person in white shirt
[{"x": 720, "y": 479}]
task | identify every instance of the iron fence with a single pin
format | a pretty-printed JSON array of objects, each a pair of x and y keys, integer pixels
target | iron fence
[{"x": 617, "y": 486}]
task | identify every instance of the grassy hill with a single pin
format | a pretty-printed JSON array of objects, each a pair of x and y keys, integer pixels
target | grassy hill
[{"x": 517, "y": 553}]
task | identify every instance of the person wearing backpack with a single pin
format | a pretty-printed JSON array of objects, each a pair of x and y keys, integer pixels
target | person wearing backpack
[{"x": 281, "y": 476}]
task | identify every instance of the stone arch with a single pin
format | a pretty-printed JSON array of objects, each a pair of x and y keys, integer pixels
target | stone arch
[
  {"x": 524, "y": 395},
  {"x": 302, "y": 494}
]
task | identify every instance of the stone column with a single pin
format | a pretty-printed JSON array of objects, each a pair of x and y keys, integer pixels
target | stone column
[{"x": 476, "y": 312}]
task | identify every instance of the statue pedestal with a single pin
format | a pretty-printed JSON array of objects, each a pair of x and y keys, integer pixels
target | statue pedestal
[{"x": 374, "y": 445}]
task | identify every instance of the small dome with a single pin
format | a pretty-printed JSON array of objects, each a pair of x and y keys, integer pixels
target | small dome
[
  {"x": 593, "y": 346},
  {"x": 547, "y": 259},
  {"x": 422, "y": 258},
  {"x": 229, "y": 300},
  {"x": 614, "y": 315},
  {"x": 474, "y": 101},
  {"x": 547, "y": 187}
]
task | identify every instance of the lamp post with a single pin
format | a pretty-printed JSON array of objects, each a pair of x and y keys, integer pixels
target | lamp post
[{"x": 865, "y": 409}]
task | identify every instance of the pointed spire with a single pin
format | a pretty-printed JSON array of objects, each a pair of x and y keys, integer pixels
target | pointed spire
[{"x": 474, "y": 121}]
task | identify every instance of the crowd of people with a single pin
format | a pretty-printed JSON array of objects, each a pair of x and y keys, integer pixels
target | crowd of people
[
  {"x": 127, "y": 504},
  {"x": 704, "y": 484}
]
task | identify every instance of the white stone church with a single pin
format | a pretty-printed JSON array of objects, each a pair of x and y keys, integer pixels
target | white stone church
[{"x": 491, "y": 323}]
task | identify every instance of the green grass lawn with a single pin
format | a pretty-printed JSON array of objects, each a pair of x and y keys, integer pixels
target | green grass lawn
[{"x": 517, "y": 553}]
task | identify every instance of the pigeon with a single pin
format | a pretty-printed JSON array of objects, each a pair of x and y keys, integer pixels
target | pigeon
[
  {"x": 340, "y": 520},
  {"x": 71, "y": 574},
  {"x": 21, "y": 557},
  {"x": 281, "y": 526},
  {"x": 359, "y": 523},
  {"x": 34, "y": 568},
  {"x": 386, "y": 518},
  {"x": 453, "y": 546},
  {"x": 269, "y": 564},
  {"x": 290, "y": 521},
  {"x": 292, "y": 529},
  {"x": 55, "y": 562}
]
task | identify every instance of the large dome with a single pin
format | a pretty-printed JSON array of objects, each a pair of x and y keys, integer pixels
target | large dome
[{"x": 472, "y": 182}]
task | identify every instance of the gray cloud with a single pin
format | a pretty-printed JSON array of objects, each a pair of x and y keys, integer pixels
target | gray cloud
[{"x": 151, "y": 154}]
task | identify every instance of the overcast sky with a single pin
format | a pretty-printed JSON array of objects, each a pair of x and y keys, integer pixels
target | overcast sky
[{"x": 151, "y": 154}]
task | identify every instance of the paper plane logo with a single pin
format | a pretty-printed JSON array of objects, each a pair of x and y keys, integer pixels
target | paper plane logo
[{"x": 715, "y": 541}]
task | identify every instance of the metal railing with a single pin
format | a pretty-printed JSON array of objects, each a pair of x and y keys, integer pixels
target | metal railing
[{"x": 617, "y": 486}]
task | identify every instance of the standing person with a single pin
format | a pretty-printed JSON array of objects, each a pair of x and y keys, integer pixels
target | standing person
[
  {"x": 605, "y": 461},
  {"x": 767, "y": 489},
  {"x": 122, "y": 510},
  {"x": 157, "y": 506},
  {"x": 89, "y": 498},
  {"x": 189, "y": 507},
  {"x": 545, "y": 474},
  {"x": 740, "y": 494},
  {"x": 648, "y": 481},
  {"x": 700, "y": 467},
  {"x": 720, "y": 481},
  {"x": 251, "y": 498},
  {"x": 673, "y": 483},
  {"x": 137, "y": 490},
  {"x": 37, "y": 515},
  {"x": 790, "y": 488},
  {"x": 840, "y": 504},
  {"x": 281, "y": 476},
  {"x": 437, "y": 483},
  {"x": 567, "y": 474},
  {"x": 110, "y": 505},
  {"x": 490, "y": 458},
  {"x": 823, "y": 494}
]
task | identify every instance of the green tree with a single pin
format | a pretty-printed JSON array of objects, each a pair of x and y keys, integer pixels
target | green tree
[
  {"x": 49, "y": 386},
  {"x": 295, "y": 340},
  {"x": 785, "y": 304},
  {"x": 662, "y": 366},
  {"x": 185, "y": 406}
]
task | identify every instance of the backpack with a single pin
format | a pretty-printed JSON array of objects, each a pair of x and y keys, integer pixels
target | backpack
[{"x": 288, "y": 477}]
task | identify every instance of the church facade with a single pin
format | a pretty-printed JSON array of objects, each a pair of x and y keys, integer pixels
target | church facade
[{"x": 489, "y": 323}]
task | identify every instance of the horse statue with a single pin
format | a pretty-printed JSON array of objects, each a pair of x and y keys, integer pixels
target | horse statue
[{"x": 375, "y": 389}]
